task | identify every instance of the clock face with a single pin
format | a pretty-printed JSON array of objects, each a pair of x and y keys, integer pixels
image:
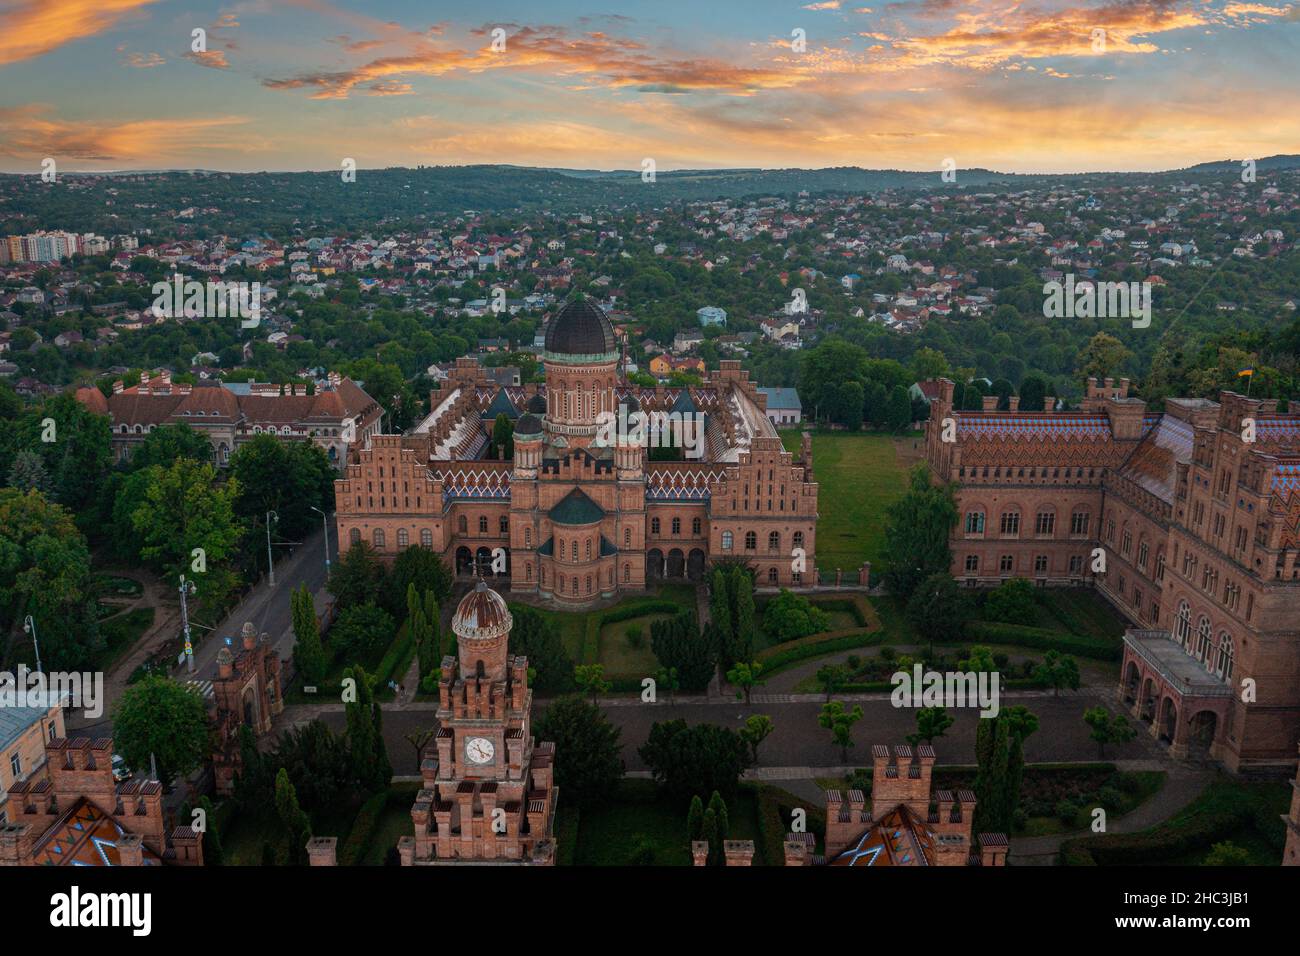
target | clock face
[{"x": 479, "y": 750}]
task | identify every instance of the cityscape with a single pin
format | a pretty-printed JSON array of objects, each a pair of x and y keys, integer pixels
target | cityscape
[{"x": 788, "y": 435}]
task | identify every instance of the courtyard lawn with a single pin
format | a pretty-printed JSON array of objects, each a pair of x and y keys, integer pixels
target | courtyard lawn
[
  {"x": 858, "y": 475},
  {"x": 611, "y": 833},
  {"x": 619, "y": 657}
]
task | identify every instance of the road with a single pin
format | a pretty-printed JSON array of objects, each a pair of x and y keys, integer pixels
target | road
[
  {"x": 268, "y": 607},
  {"x": 797, "y": 741}
]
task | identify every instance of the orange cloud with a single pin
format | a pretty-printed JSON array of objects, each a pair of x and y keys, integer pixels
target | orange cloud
[
  {"x": 216, "y": 59},
  {"x": 27, "y": 132},
  {"x": 35, "y": 27},
  {"x": 597, "y": 58}
]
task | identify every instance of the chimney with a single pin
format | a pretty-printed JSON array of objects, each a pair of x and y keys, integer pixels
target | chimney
[
  {"x": 17, "y": 841},
  {"x": 738, "y": 852},
  {"x": 1049, "y": 403},
  {"x": 188, "y": 845},
  {"x": 799, "y": 849},
  {"x": 1013, "y": 403},
  {"x": 118, "y": 387},
  {"x": 322, "y": 851},
  {"x": 993, "y": 849},
  {"x": 249, "y": 635},
  {"x": 990, "y": 403},
  {"x": 700, "y": 852},
  {"x": 130, "y": 849}
]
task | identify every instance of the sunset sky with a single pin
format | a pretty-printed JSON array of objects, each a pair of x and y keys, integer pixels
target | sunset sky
[{"x": 301, "y": 84}]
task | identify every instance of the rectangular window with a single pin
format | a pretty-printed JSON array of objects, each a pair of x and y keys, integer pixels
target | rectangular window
[
  {"x": 1007, "y": 563},
  {"x": 1076, "y": 564},
  {"x": 1040, "y": 564},
  {"x": 972, "y": 563},
  {"x": 16, "y": 765}
]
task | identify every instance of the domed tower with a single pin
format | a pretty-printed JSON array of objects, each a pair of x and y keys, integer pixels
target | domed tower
[
  {"x": 631, "y": 438},
  {"x": 482, "y": 625},
  {"x": 528, "y": 445},
  {"x": 489, "y": 790},
  {"x": 581, "y": 358}
]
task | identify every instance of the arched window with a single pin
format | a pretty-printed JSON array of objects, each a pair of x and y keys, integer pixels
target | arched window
[
  {"x": 751, "y": 541},
  {"x": 462, "y": 524},
  {"x": 528, "y": 537},
  {"x": 771, "y": 575},
  {"x": 695, "y": 526},
  {"x": 354, "y": 535},
  {"x": 677, "y": 526},
  {"x": 503, "y": 525},
  {"x": 482, "y": 524},
  {"x": 726, "y": 540},
  {"x": 774, "y": 541},
  {"x": 528, "y": 572},
  {"x": 403, "y": 538},
  {"x": 588, "y": 549},
  {"x": 426, "y": 538},
  {"x": 798, "y": 539},
  {"x": 1183, "y": 629},
  {"x": 654, "y": 525},
  {"x": 627, "y": 537},
  {"x": 379, "y": 539},
  {"x": 589, "y": 584},
  {"x": 575, "y": 550},
  {"x": 1203, "y": 639},
  {"x": 627, "y": 573},
  {"x": 1224, "y": 667}
]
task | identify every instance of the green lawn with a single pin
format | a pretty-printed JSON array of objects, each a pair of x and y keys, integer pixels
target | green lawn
[
  {"x": 858, "y": 475},
  {"x": 617, "y": 654},
  {"x": 609, "y": 834}
]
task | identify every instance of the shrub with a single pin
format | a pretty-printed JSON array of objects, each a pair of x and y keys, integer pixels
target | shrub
[
  {"x": 635, "y": 636},
  {"x": 1012, "y": 602},
  {"x": 361, "y": 633}
]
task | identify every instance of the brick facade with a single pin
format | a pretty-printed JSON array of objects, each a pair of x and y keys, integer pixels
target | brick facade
[{"x": 1185, "y": 520}]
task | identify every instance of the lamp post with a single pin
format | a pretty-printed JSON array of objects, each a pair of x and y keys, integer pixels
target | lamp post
[
  {"x": 29, "y": 625},
  {"x": 270, "y": 561},
  {"x": 187, "y": 588},
  {"x": 325, "y": 524}
]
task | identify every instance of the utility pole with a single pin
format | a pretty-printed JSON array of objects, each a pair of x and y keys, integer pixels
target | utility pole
[
  {"x": 29, "y": 625},
  {"x": 270, "y": 561},
  {"x": 324, "y": 520},
  {"x": 187, "y": 588}
]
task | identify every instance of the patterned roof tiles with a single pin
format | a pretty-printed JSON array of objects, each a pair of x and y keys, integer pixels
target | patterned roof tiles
[{"x": 1038, "y": 427}]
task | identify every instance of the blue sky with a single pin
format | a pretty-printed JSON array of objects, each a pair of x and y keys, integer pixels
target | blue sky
[{"x": 1055, "y": 85}]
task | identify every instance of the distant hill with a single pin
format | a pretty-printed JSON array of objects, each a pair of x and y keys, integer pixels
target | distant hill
[{"x": 281, "y": 202}]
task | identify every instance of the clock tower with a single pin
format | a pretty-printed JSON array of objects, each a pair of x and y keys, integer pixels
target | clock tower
[{"x": 489, "y": 793}]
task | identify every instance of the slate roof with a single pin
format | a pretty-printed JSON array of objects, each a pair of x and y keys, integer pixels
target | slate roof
[{"x": 576, "y": 508}]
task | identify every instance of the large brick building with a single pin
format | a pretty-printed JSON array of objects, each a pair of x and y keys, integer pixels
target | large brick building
[
  {"x": 578, "y": 516},
  {"x": 1186, "y": 520},
  {"x": 338, "y": 417}
]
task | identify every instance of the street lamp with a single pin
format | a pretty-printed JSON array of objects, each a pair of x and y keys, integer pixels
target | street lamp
[
  {"x": 324, "y": 520},
  {"x": 29, "y": 625},
  {"x": 187, "y": 588},
  {"x": 270, "y": 561}
]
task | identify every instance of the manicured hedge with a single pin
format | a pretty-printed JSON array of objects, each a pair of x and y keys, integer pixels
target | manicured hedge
[
  {"x": 856, "y": 604},
  {"x": 363, "y": 828},
  {"x": 1041, "y": 638},
  {"x": 774, "y": 817},
  {"x": 397, "y": 658},
  {"x": 623, "y": 612},
  {"x": 779, "y": 655},
  {"x": 872, "y": 687},
  {"x": 1222, "y": 809}
]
